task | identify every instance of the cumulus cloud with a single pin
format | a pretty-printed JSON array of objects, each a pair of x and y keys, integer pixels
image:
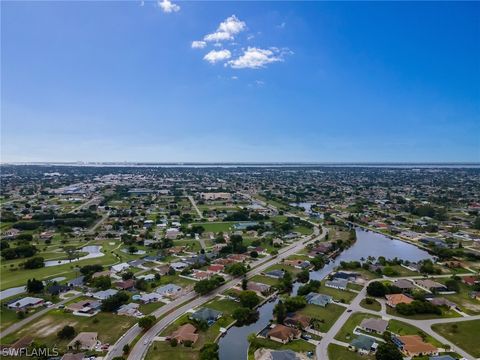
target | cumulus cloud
[
  {"x": 215, "y": 56},
  {"x": 167, "y": 6},
  {"x": 198, "y": 44},
  {"x": 256, "y": 58},
  {"x": 227, "y": 29}
]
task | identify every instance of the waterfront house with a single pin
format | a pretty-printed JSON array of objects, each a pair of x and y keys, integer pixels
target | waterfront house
[
  {"x": 318, "y": 299},
  {"x": 340, "y": 284},
  {"x": 283, "y": 334}
]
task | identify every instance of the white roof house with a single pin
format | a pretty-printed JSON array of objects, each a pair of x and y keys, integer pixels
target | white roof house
[
  {"x": 120, "y": 267},
  {"x": 25, "y": 302},
  {"x": 105, "y": 294}
]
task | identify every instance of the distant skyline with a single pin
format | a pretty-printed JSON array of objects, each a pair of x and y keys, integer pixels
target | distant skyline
[{"x": 145, "y": 81}]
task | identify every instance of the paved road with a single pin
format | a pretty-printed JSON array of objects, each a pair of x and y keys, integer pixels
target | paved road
[
  {"x": 88, "y": 203},
  {"x": 424, "y": 325},
  {"x": 194, "y": 204},
  {"x": 22, "y": 323},
  {"x": 141, "y": 347}
]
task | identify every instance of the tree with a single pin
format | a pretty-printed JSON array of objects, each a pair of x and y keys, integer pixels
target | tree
[
  {"x": 286, "y": 283},
  {"x": 294, "y": 303},
  {"x": 146, "y": 322},
  {"x": 254, "y": 254},
  {"x": 34, "y": 286},
  {"x": 126, "y": 349},
  {"x": 236, "y": 269},
  {"x": 173, "y": 342},
  {"x": 209, "y": 351},
  {"x": 312, "y": 286},
  {"x": 376, "y": 289},
  {"x": 127, "y": 275},
  {"x": 388, "y": 351},
  {"x": 141, "y": 284},
  {"x": 112, "y": 303},
  {"x": 452, "y": 285},
  {"x": 303, "y": 276},
  {"x": 34, "y": 263},
  {"x": 244, "y": 284},
  {"x": 249, "y": 299},
  {"x": 318, "y": 262},
  {"x": 203, "y": 287},
  {"x": 280, "y": 312},
  {"x": 102, "y": 282},
  {"x": 67, "y": 332},
  {"x": 244, "y": 315}
]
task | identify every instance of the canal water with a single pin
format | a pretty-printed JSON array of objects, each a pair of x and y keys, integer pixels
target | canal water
[{"x": 234, "y": 345}]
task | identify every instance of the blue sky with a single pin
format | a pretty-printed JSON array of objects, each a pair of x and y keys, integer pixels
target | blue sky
[{"x": 264, "y": 81}]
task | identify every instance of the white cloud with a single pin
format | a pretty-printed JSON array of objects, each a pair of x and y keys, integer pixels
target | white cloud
[
  {"x": 227, "y": 29},
  {"x": 215, "y": 56},
  {"x": 198, "y": 44},
  {"x": 234, "y": 77},
  {"x": 256, "y": 58},
  {"x": 167, "y": 6},
  {"x": 218, "y": 36}
]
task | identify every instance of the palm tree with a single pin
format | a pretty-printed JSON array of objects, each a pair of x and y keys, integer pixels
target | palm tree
[{"x": 77, "y": 344}]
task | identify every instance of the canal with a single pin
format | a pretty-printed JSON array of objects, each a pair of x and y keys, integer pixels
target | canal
[{"x": 234, "y": 345}]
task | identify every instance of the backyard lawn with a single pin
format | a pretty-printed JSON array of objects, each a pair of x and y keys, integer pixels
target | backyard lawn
[
  {"x": 327, "y": 315},
  {"x": 295, "y": 345},
  {"x": 338, "y": 352},
  {"x": 346, "y": 332},
  {"x": 375, "y": 306}
]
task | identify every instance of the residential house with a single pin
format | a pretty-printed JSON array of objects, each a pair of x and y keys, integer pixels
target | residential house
[
  {"x": 25, "y": 303},
  {"x": 128, "y": 284},
  {"x": 404, "y": 284},
  {"x": 150, "y": 297},
  {"x": 318, "y": 299},
  {"x": 84, "y": 341},
  {"x": 259, "y": 288},
  {"x": 73, "y": 356},
  {"x": 178, "y": 266},
  {"x": 79, "y": 281},
  {"x": 57, "y": 289},
  {"x": 430, "y": 285},
  {"x": 168, "y": 290},
  {"x": 104, "y": 294},
  {"x": 413, "y": 345},
  {"x": 297, "y": 320},
  {"x": 394, "y": 299},
  {"x": 374, "y": 325},
  {"x": 206, "y": 314},
  {"x": 101, "y": 273},
  {"x": 470, "y": 280},
  {"x": 120, "y": 267},
  {"x": 283, "y": 334},
  {"x": 440, "y": 301},
  {"x": 130, "y": 309},
  {"x": 349, "y": 276},
  {"x": 268, "y": 354},
  {"x": 363, "y": 344},
  {"x": 84, "y": 307},
  {"x": 276, "y": 274},
  {"x": 215, "y": 268},
  {"x": 340, "y": 284},
  {"x": 184, "y": 333}
]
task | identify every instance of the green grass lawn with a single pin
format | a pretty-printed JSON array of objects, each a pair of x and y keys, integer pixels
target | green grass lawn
[
  {"x": 264, "y": 280},
  {"x": 445, "y": 314},
  {"x": 328, "y": 314},
  {"x": 151, "y": 307},
  {"x": 464, "y": 335},
  {"x": 337, "y": 352},
  {"x": 303, "y": 230},
  {"x": 338, "y": 295},
  {"x": 375, "y": 306},
  {"x": 295, "y": 345},
  {"x": 191, "y": 244},
  {"x": 463, "y": 300},
  {"x": 346, "y": 332},
  {"x": 161, "y": 350},
  {"x": 217, "y": 226},
  {"x": 290, "y": 269},
  {"x": 109, "y": 327}
]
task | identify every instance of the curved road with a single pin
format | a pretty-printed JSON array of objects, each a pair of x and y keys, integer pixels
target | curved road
[
  {"x": 141, "y": 347},
  {"x": 424, "y": 325}
]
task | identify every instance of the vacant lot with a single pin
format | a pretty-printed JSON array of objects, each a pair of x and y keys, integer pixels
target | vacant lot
[{"x": 464, "y": 334}]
